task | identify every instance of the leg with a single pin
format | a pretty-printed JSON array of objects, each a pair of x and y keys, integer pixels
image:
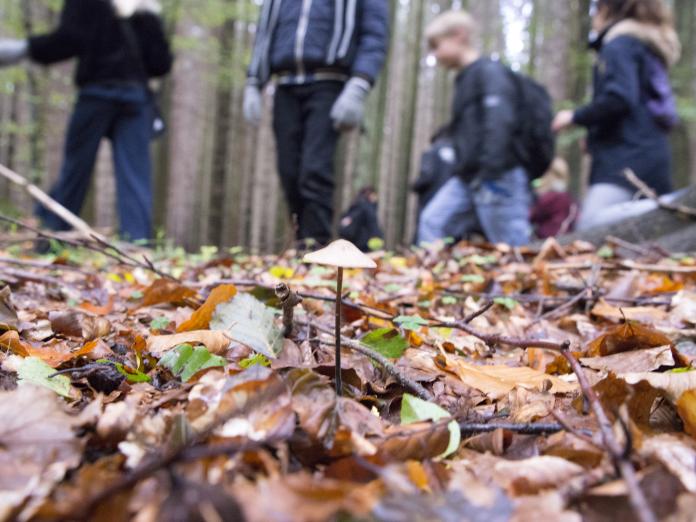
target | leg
[
  {"x": 130, "y": 138},
  {"x": 602, "y": 205},
  {"x": 316, "y": 183},
  {"x": 503, "y": 208},
  {"x": 287, "y": 127},
  {"x": 448, "y": 214},
  {"x": 89, "y": 123}
]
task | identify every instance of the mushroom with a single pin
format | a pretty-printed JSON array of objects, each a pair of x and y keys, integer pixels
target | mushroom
[{"x": 341, "y": 254}]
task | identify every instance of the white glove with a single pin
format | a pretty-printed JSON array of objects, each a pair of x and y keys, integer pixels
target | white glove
[
  {"x": 347, "y": 113},
  {"x": 12, "y": 50},
  {"x": 252, "y": 104}
]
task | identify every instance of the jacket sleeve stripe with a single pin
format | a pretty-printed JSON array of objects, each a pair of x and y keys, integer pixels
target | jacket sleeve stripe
[
  {"x": 350, "y": 27},
  {"x": 261, "y": 35}
]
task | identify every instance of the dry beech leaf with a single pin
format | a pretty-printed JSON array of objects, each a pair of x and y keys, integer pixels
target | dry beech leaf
[
  {"x": 626, "y": 337},
  {"x": 216, "y": 342},
  {"x": 200, "y": 319},
  {"x": 635, "y": 361},
  {"x": 415, "y": 441},
  {"x": 677, "y": 453},
  {"x": 673, "y": 384},
  {"x": 530, "y": 476},
  {"x": 8, "y": 314},
  {"x": 10, "y": 341},
  {"x": 641, "y": 314},
  {"x": 166, "y": 291},
  {"x": 571, "y": 448},
  {"x": 686, "y": 407},
  {"x": 75, "y": 324},
  {"x": 38, "y": 447},
  {"x": 498, "y": 381}
]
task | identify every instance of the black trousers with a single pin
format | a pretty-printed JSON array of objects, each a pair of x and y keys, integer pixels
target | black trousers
[{"x": 306, "y": 144}]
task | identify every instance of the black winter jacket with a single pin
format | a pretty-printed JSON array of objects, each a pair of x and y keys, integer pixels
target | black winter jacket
[
  {"x": 301, "y": 37},
  {"x": 90, "y": 31},
  {"x": 484, "y": 120},
  {"x": 623, "y": 134}
]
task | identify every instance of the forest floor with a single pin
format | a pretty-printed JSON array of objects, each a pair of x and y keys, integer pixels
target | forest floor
[{"x": 480, "y": 383}]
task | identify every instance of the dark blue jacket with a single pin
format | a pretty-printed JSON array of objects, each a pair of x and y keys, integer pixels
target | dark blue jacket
[
  {"x": 623, "y": 133},
  {"x": 305, "y": 39}
]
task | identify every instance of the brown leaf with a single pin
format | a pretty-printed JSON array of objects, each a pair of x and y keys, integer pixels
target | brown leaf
[
  {"x": 636, "y": 361},
  {"x": 418, "y": 441},
  {"x": 38, "y": 447},
  {"x": 166, "y": 291},
  {"x": 215, "y": 341},
  {"x": 313, "y": 400},
  {"x": 8, "y": 314},
  {"x": 675, "y": 452},
  {"x": 626, "y": 337},
  {"x": 10, "y": 341},
  {"x": 641, "y": 314},
  {"x": 571, "y": 448},
  {"x": 498, "y": 381},
  {"x": 75, "y": 324},
  {"x": 673, "y": 384},
  {"x": 530, "y": 476},
  {"x": 686, "y": 407},
  {"x": 200, "y": 319}
]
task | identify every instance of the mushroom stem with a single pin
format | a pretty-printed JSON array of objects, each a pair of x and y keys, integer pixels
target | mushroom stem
[{"x": 339, "y": 293}]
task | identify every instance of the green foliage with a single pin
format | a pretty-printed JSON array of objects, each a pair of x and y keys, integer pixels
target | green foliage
[
  {"x": 258, "y": 359},
  {"x": 386, "y": 341},
  {"x": 606, "y": 252},
  {"x": 132, "y": 375},
  {"x": 159, "y": 323},
  {"x": 473, "y": 278},
  {"x": 410, "y": 322},
  {"x": 507, "y": 302},
  {"x": 185, "y": 361},
  {"x": 35, "y": 371},
  {"x": 414, "y": 409}
]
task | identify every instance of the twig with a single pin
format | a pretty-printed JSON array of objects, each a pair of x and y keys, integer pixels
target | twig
[
  {"x": 39, "y": 264},
  {"x": 523, "y": 429},
  {"x": 636, "y": 249},
  {"x": 616, "y": 451},
  {"x": 95, "y": 244},
  {"x": 288, "y": 300},
  {"x": 48, "y": 202},
  {"x": 650, "y": 194},
  {"x": 388, "y": 366}
]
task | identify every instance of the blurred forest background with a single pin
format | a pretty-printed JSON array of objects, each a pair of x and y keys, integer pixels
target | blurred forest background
[{"x": 215, "y": 175}]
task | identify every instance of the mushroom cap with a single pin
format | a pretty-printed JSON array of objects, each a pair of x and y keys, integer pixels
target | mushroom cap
[{"x": 340, "y": 253}]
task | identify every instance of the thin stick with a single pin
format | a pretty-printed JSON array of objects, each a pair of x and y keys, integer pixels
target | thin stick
[
  {"x": 650, "y": 194},
  {"x": 48, "y": 202},
  {"x": 339, "y": 289}
]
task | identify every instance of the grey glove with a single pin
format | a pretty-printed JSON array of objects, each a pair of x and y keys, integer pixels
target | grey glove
[
  {"x": 252, "y": 104},
  {"x": 12, "y": 50},
  {"x": 347, "y": 112}
]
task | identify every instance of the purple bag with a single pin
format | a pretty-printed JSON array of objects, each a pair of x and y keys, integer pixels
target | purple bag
[{"x": 661, "y": 101}]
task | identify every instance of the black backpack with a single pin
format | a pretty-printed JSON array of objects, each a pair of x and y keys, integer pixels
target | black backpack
[{"x": 535, "y": 143}]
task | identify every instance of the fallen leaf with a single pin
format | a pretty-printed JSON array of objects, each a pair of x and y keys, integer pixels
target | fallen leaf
[
  {"x": 185, "y": 361},
  {"x": 686, "y": 407},
  {"x": 35, "y": 371},
  {"x": 8, "y": 314},
  {"x": 75, "y": 324},
  {"x": 216, "y": 342},
  {"x": 387, "y": 342},
  {"x": 673, "y": 384},
  {"x": 498, "y": 381},
  {"x": 414, "y": 409},
  {"x": 626, "y": 337},
  {"x": 248, "y": 321},
  {"x": 38, "y": 447},
  {"x": 166, "y": 291},
  {"x": 675, "y": 452},
  {"x": 641, "y": 314},
  {"x": 10, "y": 341},
  {"x": 200, "y": 319},
  {"x": 636, "y": 361},
  {"x": 530, "y": 476},
  {"x": 638, "y": 395}
]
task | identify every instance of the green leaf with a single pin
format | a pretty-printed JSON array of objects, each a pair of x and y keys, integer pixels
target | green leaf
[
  {"x": 414, "y": 409},
  {"x": 159, "y": 323},
  {"x": 387, "y": 342},
  {"x": 605, "y": 252},
  {"x": 136, "y": 294},
  {"x": 411, "y": 322},
  {"x": 449, "y": 300},
  {"x": 36, "y": 371},
  {"x": 185, "y": 361},
  {"x": 507, "y": 302},
  {"x": 473, "y": 278},
  {"x": 257, "y": 358},
  {"x": 479, "y": 260},
  {"x": 250, "y": 322},
  {"x": 375, "y": 243},
  {"x": 131, "y": 375}
]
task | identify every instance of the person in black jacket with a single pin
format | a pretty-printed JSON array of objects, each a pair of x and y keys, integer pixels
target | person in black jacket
[
  {"x": 119, "y": 47},
  {"x": 633, "y": 107},
  {"x": 360, "y": 223},
  {"x": 325, "y": 56},
  {"x": 490, "y": 190}
]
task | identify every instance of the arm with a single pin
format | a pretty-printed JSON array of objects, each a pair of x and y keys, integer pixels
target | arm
[
  {"x": 372, "y": 40},
  {"x": 618, "y": 86},
  {"x": 259, "y": 49},
  {"x": 157, "y": 53},
  {"x": 65, "y": 41},
  {"x": 498, "y": 118}
]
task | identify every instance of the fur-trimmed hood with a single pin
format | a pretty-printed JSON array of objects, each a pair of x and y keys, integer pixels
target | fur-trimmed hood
[
  {"x": 126, "y": 8},
  {"x": 663, "y": 40}
]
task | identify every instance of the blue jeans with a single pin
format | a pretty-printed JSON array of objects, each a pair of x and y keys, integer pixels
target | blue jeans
[
  {"x": 500, "y": 208},
  {"x": 123, "y": 113}
]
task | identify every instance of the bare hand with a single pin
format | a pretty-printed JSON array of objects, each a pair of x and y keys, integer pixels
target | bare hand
[{"x": 563, "y": 120}]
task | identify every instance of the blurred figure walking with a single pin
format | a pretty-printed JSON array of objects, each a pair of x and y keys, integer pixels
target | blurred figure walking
[
  {"x": 119, "y": 46},
  {"x": 325, "y": 56}
]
